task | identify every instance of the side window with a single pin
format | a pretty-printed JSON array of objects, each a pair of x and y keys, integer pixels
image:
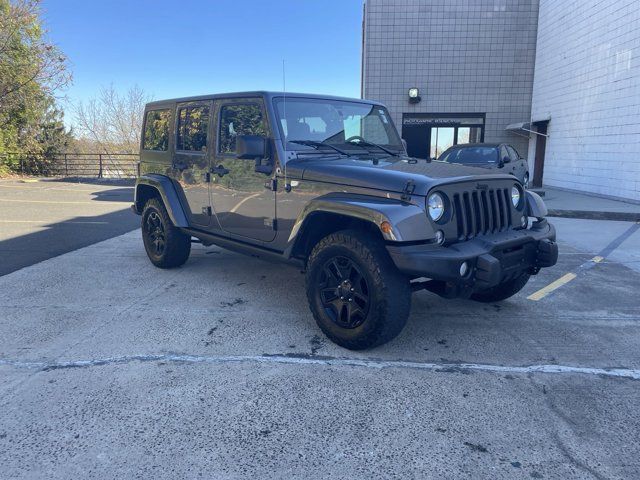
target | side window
[
  {"x": 156, "y": 130},
  {"x": 244, "y": 119},
  {"x": 193, "y": 123},
  {"x": 513, "y": 153},
  {"x": 503, "y": 152},
  {"x": 448, "y": 156}
]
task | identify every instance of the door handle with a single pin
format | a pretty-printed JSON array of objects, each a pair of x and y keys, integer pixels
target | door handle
[{"x": 220, "y": 170}]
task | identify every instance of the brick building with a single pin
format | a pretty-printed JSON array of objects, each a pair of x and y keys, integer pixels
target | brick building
[{"x": 559, "y": 80}]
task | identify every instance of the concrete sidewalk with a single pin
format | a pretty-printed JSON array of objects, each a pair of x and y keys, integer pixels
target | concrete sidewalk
[{"x": 571, "y": 204}]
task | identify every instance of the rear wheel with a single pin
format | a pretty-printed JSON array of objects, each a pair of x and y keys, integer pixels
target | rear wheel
[
  {"x": 356, "y": 294},
  {"x": 503, "y": 290},
  {"x": 166, "y": 245}
]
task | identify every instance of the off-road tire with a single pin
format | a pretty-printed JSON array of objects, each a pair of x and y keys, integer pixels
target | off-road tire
[
  {"x": 502, "y": 291},
  {"x": 388, "y": 289},
  {"x": 177, "y": 245}
]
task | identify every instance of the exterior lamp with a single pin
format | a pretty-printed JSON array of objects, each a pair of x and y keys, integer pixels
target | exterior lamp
[{"x": 414, "y": 95}]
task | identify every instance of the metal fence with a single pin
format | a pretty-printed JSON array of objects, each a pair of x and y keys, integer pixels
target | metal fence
[{"x": 96, "y": 165}]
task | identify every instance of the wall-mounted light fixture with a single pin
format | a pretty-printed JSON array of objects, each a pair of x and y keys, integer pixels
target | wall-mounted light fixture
[{"x": 414, "y": 95}]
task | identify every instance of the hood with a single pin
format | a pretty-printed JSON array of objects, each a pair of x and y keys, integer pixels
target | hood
[{"x": 389, "y": 174}]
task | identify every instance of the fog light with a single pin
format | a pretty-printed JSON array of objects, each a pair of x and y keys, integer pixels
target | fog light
[
  {"x": 464, "y": 269},
  {"x": 439, "y": 236}
]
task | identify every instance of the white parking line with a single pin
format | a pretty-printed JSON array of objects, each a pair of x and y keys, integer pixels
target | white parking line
[
  {"x": 25, "y": 187},
  {"x": 46, "y": 222},
  {"x": 53, "y": 202},
  {"x": 629, "y": 373}
]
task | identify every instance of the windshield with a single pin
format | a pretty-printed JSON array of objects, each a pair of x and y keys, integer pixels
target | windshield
[
  {"x": 347, "y": 125},
  {"x": 471, "y": 155}
]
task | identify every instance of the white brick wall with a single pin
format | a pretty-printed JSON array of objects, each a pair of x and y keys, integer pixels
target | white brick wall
[{"x": 587, "y": 80}]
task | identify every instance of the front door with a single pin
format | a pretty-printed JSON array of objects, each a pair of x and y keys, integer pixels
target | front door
[
  {"x": 239, "y": 198},
  {"x": 191, "y": 158}
]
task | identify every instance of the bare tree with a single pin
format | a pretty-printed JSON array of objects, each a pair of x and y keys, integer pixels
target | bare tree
[{"x": 113, "y": 120}]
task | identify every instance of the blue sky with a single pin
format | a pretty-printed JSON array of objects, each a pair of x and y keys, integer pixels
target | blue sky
[{"x": 189, "y": 47}]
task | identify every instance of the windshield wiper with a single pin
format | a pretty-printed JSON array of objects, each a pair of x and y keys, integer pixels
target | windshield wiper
[
  {"x": 362, "y": 143},
  {"x": 317, "y": 145}
]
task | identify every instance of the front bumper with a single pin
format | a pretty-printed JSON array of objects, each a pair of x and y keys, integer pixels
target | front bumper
[{"x": 491, "y": 259}]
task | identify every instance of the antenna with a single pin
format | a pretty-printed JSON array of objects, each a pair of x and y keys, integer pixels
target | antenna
[{"x": 287, "y": 187}]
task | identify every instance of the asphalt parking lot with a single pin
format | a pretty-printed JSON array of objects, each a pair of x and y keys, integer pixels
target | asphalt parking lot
[
  {"x": 49, "y": 217},
  {"x": 110, "y": 368}
]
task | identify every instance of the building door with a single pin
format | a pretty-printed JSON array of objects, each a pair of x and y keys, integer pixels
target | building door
[
  {"x": 428, "y": 135},
  {"x": 541, "y": 146},
  {"x": 441, "y": 139}
]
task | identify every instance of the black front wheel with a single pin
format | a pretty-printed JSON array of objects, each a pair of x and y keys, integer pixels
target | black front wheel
[
  {"x": 357, "y": 295},
  {"x": 166, "y": 245}
]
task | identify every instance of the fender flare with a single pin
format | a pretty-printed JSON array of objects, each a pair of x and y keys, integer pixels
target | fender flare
[
  {"x": 535, "y": 205},
  {"x": 168, "y": 193},
  {"x": 409, "y": 221}
]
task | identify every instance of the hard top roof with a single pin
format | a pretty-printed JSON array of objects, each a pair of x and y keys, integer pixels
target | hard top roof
[{"x": 268, "y": 95}]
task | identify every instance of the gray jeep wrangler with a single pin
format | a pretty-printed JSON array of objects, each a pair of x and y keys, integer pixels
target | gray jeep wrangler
[{"x": 326, "y": 183}]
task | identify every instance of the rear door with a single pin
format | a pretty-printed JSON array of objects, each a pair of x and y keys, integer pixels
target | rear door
[{"x": 192, "y": 158}]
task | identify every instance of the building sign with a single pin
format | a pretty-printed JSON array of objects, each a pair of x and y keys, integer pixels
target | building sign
[{"x": 435, "y": 120}]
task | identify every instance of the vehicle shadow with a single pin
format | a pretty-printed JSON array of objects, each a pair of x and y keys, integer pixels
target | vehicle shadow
[
  {"x": 54, "y": 239},
  {"x": 114, "y": 195}
]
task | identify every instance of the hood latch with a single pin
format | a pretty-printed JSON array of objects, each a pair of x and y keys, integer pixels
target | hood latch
[{"x": 408, "y": 190}]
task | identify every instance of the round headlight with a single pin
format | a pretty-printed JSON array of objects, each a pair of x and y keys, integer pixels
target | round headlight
[
  {"x": 436, "y": 206},
  {"x": 515, "y": 196}
]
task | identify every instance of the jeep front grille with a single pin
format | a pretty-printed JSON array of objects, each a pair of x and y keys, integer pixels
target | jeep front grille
[{"x": 480, "y": 212}]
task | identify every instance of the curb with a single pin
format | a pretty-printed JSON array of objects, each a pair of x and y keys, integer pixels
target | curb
[{"x": 596, "y": 215}]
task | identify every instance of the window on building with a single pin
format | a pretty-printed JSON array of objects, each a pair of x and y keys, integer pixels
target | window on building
[
  {"x": 244, "y": 119},
  {"x": 156, "y": 130},
  {"x": 441, "y": 139},
  {"x": 193, "y": 123}
]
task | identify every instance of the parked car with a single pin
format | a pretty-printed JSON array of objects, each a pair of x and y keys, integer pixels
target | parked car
[
  {"x": 326, "y": 183},
  {"x": 489, "y": 155}
]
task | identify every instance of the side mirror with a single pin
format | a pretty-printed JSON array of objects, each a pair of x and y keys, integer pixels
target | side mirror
[
  {"x": 251, "y": 147},
  {"x": 254, "y": 147},
  {"x": 506, "y": 159}
]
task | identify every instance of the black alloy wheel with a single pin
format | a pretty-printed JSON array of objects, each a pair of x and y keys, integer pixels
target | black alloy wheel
[
  {"x": 166, "y": 245},
  {"x": 155, "y": 232},
  {"x": 358, "y": 297},
  {"x": 344, "y": 292}
]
